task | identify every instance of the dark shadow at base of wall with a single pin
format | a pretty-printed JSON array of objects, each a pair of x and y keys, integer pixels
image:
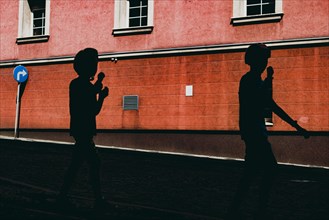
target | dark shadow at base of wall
[{"x": 287, "y": 146}]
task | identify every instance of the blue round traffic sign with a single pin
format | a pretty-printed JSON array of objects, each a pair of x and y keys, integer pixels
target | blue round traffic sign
[{"x": 20, "y": 74}]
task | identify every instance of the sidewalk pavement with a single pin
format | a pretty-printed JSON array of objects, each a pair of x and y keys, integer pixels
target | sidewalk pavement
[{"x": 141, "y": 185}]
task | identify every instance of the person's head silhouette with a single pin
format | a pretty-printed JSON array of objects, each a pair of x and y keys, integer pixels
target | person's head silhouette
[
  {"x": 86, "y": 63},
  {"x": 257, "y": 57}
]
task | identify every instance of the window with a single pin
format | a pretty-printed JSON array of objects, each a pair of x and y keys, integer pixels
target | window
[
  {"x": 33, "y": 21},
  {"x": 137, "y": 13},
  {"x": 133, "y": 17},
  {"x": 256, "y": 11},
  {"x": 39, "y": 21},
  {"x": 260, "y": 7}
]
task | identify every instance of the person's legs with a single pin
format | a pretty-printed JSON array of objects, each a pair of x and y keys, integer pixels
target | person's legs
[
  {"x": 77, "y": 159},
  {"x": 249, "y": 174},
  {"x": 268, "y": 177},
  {"x": 94, "y": 169},
  {"x": 94, "y": 175},
  {"x": 242, "y": 189},
  {"x": 259, "y": 159}
]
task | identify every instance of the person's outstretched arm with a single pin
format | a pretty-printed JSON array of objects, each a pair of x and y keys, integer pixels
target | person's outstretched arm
[
  {"x": 284, "y": 116},
  {"x": 279, "y": 111}
]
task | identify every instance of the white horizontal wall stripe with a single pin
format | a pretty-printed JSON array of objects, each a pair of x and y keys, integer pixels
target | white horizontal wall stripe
[{"x": 174, "y": 51}]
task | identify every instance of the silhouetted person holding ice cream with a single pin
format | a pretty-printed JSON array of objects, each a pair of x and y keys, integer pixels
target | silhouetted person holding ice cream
[
  {"x": 86, "y": 100},
  {"x": 259, "y": 158}
]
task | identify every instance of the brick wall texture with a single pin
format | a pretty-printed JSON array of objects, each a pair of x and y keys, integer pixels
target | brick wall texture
[{"x": 301, "y": 87}]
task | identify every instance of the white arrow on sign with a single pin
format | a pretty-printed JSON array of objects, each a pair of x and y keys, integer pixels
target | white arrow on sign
[{"x": 21, "y": 73}]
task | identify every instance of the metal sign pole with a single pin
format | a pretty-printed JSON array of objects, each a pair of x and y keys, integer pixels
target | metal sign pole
[
  {"x": 16, "y": 134},
  {"x": 20, "y": 75}
]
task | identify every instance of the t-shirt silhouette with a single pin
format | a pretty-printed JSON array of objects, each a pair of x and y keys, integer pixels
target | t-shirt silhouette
[{"x": 82, "y": 108}]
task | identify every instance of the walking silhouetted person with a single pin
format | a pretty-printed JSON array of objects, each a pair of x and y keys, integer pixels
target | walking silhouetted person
[
  {"x": 259, "y": 158},
  {"x": 86, "y": 100}
]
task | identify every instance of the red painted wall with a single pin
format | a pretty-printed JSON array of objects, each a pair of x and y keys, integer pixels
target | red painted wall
[
  {"x": 301, "y": 87},
  {"x": 177, "y": 23}
]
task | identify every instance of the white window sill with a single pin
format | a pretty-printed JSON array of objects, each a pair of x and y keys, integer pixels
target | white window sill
[
  {"x": 32, "y": 39},
  {"x": 275, "y": 17},
  {"x": 132, "y": 31}
]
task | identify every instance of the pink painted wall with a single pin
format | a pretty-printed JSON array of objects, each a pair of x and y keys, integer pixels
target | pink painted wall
[
  {"x": 8, "y": 29},
  {"x": 177, "y": 23}
]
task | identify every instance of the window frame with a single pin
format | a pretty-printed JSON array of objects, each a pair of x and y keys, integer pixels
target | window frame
[
  {"x": 121, "y": 19},
  {"x": 26, "y": 21},
  {"x": 240, "y": 16}
]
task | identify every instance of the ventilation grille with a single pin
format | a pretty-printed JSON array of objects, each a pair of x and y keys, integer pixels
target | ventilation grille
[{"x": 130, "y": 102}]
